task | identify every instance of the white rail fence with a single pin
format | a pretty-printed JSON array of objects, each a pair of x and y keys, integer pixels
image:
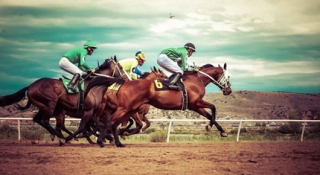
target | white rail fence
[{"x": 304, "y": 123}]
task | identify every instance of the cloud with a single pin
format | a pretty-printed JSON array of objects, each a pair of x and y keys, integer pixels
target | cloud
[{"x": 258, "y": 39}]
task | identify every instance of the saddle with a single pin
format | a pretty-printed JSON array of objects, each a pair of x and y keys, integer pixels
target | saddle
[
  {"x": 163, "y": 85},
  {"x": 79, "y": 90}
]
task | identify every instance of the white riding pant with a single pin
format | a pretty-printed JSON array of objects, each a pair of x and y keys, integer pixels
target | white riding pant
[
  {"x": 165, "y": 62},
  {"x": 69, "y": 67}
]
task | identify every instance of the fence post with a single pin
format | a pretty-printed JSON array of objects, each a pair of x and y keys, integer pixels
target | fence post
[
  {"x": 169, "y": 129},
  {"x": 19, "y": 137},
  {"x": 239, "y": 128},
  {"x": 302, "y": 133}
]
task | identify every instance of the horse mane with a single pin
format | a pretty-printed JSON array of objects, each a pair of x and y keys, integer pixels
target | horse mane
[
  {"x": 106, "y": 64},
  {"x": 202, "y": 67},
  {"x": 206, "y": 66},
  {"x": 102, "y": 82},
  {"x": 145, "y": 74}
]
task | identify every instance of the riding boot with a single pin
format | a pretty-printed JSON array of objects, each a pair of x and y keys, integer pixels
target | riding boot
[
  {"x": 73, "y": 81},
  {"x": 175, "y": 79}
]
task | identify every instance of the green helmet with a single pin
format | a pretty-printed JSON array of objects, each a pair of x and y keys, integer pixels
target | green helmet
[{"x": 89, "y": 43}]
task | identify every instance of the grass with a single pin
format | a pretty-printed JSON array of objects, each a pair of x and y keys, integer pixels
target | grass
[{"x": 183, "y": 135}]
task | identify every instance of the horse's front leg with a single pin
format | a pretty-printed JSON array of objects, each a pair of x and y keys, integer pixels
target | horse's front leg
[{"x": 200, "y": 108}]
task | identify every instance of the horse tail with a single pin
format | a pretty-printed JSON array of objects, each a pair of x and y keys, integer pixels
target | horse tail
[
  {"x": 13, "y": 98},
  {"x": 22, "y": 108},
  {"x": 102, "y": 82}
]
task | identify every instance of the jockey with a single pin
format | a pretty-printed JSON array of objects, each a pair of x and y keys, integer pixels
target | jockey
[
  {"x": 174, "y": 60},
  {"x": 130, "y": 65},
  {"x": 77, "y": 56}
]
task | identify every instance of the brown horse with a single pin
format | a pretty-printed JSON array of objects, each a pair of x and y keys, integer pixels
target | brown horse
[
  {"x": 52, "y": 99},
  {"x": 109, "y": 105},
  {"x": 143, "y": 109},
  {"x": 132, "y": 94}
]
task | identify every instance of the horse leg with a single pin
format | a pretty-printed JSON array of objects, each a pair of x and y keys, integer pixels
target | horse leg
[
  {"x": 43, "y": 120},
  {"x": 143, "y": 111},
  {"x": 106, "y": 129},
  {"x": 203, "y": 104},
  {"x": 138, "y": 127},
  {"x": 60, "y": 121},
  {"x": 87, "y": 115},
  {"x": 120, "y": 115},
  {"x": 146, "y": 121},
  {"x": 124, "y": 131}
]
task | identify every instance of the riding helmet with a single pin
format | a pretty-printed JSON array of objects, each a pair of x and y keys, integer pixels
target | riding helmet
[
  {"x": 89, "y": 43},
  {"x": 190, "y": 46},
  {"x": 140, "y": 55}
]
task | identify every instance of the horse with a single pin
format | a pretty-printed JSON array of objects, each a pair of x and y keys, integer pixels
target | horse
[
  {"x": 109, "y": 105},
  {"x": 133, "y": 94},
  {"x": 52, "y": 99}
]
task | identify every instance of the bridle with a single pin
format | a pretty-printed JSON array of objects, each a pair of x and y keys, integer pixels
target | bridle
[{"x": 222, "y": 83}]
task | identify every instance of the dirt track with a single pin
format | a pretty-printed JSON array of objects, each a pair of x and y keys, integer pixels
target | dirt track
[{"x": 161, "y": 158}]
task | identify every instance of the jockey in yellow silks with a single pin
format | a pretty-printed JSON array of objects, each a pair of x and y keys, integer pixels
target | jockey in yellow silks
[{"x": 130, "y": 65}]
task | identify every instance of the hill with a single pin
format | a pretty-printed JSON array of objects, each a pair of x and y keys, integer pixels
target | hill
[{"x": 240, "y": 104}]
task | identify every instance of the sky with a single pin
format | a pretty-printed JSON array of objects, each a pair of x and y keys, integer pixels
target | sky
[{"x": 268, "y": 45}]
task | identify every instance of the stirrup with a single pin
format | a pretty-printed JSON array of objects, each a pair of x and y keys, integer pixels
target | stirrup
[{"x": 72, "y": 88}]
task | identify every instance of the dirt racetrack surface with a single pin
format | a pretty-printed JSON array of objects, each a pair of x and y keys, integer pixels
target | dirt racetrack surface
[{"x": 161, "y": 158}]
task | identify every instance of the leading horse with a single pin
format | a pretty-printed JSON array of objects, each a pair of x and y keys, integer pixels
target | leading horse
[
  {"x": 133, "y": 94},
  {"x": 52, "y": 99}
]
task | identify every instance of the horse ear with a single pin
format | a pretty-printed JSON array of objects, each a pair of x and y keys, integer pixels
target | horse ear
[
  {"x": 115, "y": 58},
  {"x": 151, "y": 69},
  {"x": 219, "y": 65},
  {"x": 98, "y": 63},
  {"x": 225, "y": 66}
]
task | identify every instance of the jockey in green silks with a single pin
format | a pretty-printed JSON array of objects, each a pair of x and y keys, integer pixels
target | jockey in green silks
[{"x": 77, "y": 56}]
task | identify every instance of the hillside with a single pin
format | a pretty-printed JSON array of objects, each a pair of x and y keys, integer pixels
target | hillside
[{"x": 240, "y": 104}]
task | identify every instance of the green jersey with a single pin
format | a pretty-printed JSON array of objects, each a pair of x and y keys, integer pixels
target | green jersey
[
  {"x": 77, "y": 56},
  {"x": 175, "y": 53}
]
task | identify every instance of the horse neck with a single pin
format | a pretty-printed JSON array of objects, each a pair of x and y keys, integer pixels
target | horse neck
[
  {"x": 213, "y": 72},
  {"x": 106, "y": 72},
  {"x": 202, "y": 79}
]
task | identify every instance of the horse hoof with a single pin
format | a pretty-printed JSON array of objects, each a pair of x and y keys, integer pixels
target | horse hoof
[
  {"x": 67, "y": 140},
  {"x": 121, "y": 145},
  {"x": 61, "y": 142},
  {"x": 101, "y": 145},
  {"x": 52, "y": 137},
  {"x": 223, "y": 134},
  {"x": 208, "y": 127}
]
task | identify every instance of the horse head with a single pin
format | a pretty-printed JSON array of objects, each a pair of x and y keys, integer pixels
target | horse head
[
  {"x": 218, "y": 76},
  {"x": 112, "y": 67}
]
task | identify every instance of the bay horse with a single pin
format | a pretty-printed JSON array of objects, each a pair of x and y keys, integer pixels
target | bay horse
[
  {"x": 52, "y": 99},
  {"x": 133, "y": 94},
  {"x": 109, "y": 105}
]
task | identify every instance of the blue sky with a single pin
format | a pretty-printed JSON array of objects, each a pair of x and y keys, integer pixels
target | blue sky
[{"x": 268, "y": 45}]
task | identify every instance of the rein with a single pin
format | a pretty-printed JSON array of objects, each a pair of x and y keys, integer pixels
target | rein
[
  {"x": 222, "y": 82},
  {"x": 118, "y": 69}
]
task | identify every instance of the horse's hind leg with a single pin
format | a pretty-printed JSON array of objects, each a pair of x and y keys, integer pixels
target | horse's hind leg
[
  {"x": 212, "y": 118},
  {"x": 38, "y": 118}
]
